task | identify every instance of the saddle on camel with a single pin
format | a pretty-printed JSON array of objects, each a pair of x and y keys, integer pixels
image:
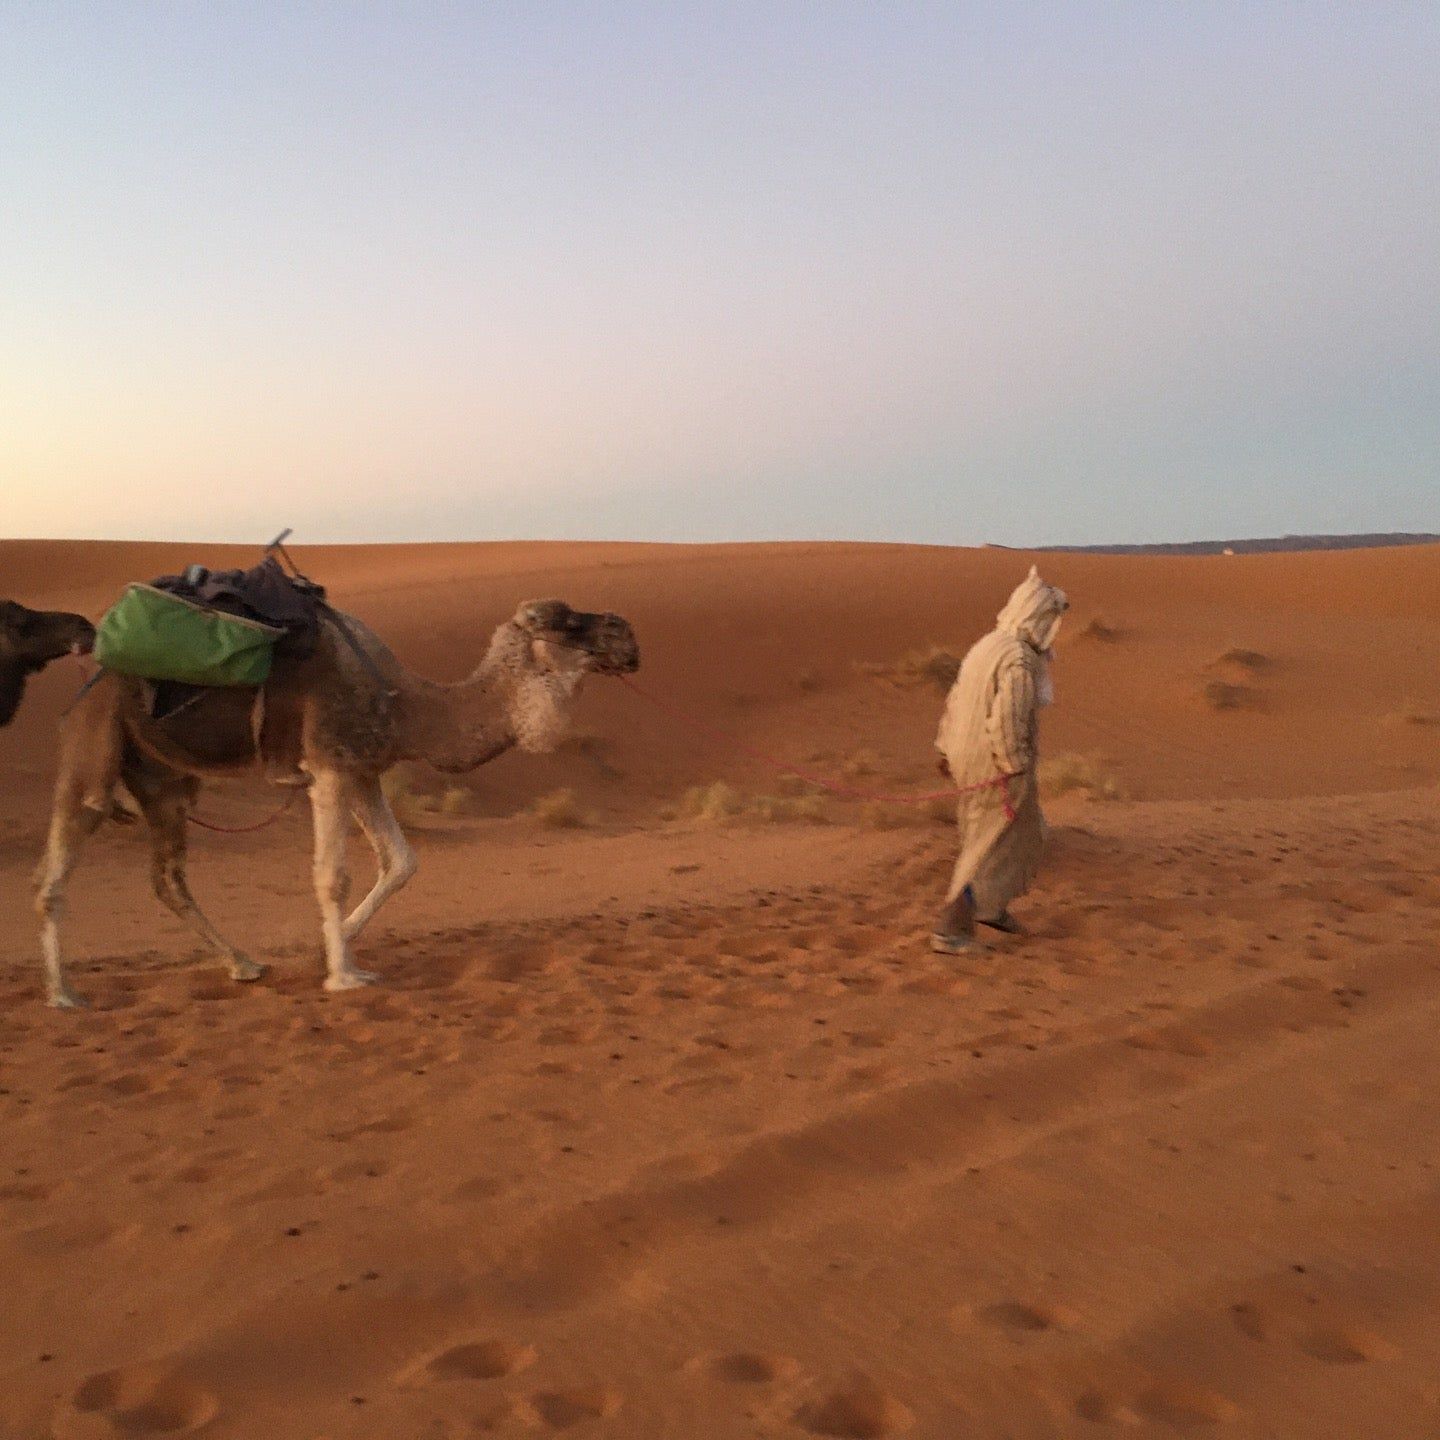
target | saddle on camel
[{"x": 181, "y": 637}]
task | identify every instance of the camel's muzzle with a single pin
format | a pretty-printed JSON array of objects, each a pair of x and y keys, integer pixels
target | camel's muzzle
[
  {"x": 82, "y": 636},
  {"x": 614, "y": 646}
]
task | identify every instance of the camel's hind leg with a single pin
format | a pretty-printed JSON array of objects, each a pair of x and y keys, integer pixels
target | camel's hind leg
[
  {"x": 330, "y": 800},
  {"x": 393, "y": 855},
  {"x": 71, "y": 823},
  {"x": 165, "y": 802}
]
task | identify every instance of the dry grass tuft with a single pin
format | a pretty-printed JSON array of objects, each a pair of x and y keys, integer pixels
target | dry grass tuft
[
  {"x": 1080, "y": 774},
  {"x": 773, "y": 808},
  {"x": 560, "y": 810},
  {"x": 880, "y": 815},
  {"x": 1102, "y": 632},
  {"x": 794, "y": 785},
  {"x": 403, "y": 787},
  {"x": 717, "y": 801},
  {"x": 809, "y": 681},
  {"x": 935, "y": 666},
  {"x": 455, "y": 800},
  {"x": 860, "y": 764},
  {"x": 721, "y": 801}
]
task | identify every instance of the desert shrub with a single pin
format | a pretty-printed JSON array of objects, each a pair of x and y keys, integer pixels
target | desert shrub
[
  {"x": 717, "y": 801},
  {"x": 772, "y": 808},
  {"x": 1070, "y": 774},
  {"x": 881, "y": 815},
  {"x": 794, "y": 785},
  {"x": 560, "y": 810},
  {"x": 1100, "y": 630},
  {"x": 455, "y": 800},
  {"x": 808, "y": 681},
  {"x": 861, "y": 763},
  {"x": 403, "y": 787},
  {"x": 934, "y": 665}
]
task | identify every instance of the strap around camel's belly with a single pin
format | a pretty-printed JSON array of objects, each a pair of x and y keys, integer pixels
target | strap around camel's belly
[{"x": 201, "y": 730}]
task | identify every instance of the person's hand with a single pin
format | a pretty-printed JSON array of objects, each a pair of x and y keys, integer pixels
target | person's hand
[{"x": 943, "y": 766}]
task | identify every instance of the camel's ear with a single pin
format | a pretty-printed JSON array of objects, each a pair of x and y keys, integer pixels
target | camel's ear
[
  {"x": 542, "y": 615},
  {"x": 1034, "y": 573}
]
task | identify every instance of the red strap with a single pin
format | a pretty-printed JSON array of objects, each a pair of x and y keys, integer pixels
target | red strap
[{"x": 244, "y": 829}]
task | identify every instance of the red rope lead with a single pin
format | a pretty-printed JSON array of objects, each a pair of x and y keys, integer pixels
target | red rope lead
[
  {"x": 844, "y": 792},
  {"x": 244, "y": 829}
]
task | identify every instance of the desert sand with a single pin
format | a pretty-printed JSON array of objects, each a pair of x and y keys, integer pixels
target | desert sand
[{"x": 666, "y": 1124}]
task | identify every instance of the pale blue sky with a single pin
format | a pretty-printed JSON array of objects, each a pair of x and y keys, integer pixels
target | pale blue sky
[{"x": 943, "y": 272}]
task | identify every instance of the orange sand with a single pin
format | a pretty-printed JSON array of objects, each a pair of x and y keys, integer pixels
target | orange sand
[{"x": 662, "y": 1127}]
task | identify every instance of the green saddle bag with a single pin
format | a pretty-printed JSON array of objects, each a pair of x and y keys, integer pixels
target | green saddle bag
[{"x": 157, "y": 636}]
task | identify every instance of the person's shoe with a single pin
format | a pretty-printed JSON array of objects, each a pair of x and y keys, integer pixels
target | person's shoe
[
  {"x": 951, "y": 944},
  {"x": 1005, "y": 922}
]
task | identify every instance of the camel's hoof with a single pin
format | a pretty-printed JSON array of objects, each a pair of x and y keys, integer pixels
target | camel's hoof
[
  {"x": 66, "y": 1000},
  {"x": 244, "y": 969},
  {"x": 350, "y": 980}
]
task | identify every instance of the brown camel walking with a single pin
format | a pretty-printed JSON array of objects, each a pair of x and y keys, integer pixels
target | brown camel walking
[{"x": 339, "y": 721}]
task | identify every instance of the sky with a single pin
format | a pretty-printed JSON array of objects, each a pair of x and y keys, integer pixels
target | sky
[{"x": 952, "y": 272}]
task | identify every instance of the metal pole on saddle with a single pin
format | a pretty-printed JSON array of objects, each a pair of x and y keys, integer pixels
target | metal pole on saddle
[{"x": 323, "y": 607}]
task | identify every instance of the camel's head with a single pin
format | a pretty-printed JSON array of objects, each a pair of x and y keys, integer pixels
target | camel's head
[
  {"x": 567, "y": 641},
  {"x": 31, "y": 639}
]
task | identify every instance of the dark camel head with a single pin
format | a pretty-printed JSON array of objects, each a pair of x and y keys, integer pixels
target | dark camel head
[
  {"x": 566, "y": 639},
  {"x": 31, "y": 639}
]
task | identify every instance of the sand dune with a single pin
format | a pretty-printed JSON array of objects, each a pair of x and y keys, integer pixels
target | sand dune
[{"x": 666, "y": 1127}]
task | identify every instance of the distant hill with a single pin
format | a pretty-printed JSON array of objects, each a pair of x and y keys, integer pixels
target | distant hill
[{"x": 1250, "y": 547}]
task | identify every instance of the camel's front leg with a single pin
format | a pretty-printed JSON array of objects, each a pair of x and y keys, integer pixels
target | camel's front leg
[
  {"x": 330, "y": 805},
  {"x": 70, "y": 824},
  {"x": 393, "y": 856}
]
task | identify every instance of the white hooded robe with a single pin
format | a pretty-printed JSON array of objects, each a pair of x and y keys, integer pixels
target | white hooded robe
[{"x": 988, "y": 731}]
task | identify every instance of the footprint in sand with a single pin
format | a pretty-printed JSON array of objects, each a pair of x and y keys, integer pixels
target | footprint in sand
[
  {"x": 560, "y": 1409},
  {"x": 857, "y": 1410},
  {"x": 64, "y": 1237},
  {"x": 1020, "y": 1318},
  {"x": 138, "y": 1400},
  {"x": 1173, "y": 1042},
  {"x": 748, "y": 1367},
  {"x": 1250, "y": 1320},
  {"x": 1346, "y": 1345},
  {"x": 481, "y": 1360},
  {"x": 1181, "y": 1404},
  {"x": 1100, "y": 1407}
]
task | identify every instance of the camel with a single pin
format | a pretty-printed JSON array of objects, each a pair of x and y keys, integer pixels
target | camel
[
  {"x": 336, "y": 721},
  {"x": 29, "y": 641}
]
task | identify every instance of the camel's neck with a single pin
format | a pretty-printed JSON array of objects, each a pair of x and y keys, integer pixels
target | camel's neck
[
  {"x": 12, "y": 688},
  {"x": 505, "y": 703}
]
